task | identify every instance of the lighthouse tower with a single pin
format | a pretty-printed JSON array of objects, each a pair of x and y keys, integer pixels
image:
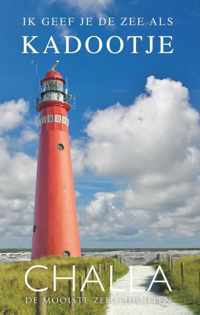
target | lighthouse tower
[{"x": 55, "y": 230}]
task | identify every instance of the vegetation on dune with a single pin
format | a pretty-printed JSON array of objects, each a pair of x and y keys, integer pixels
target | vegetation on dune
[
  {"x": 15, "y": 295},
  {"x": 184, "y": 277}
]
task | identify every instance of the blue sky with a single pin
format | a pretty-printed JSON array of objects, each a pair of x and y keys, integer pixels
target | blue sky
[{"x": 98, "y": 82}]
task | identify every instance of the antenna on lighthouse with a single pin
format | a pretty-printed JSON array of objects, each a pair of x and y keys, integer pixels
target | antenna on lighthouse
[{"x": 55, "y": 65}]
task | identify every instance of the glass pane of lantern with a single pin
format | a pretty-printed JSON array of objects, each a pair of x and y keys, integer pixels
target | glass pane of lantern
[
  {"x": 52, "y": 85},
  {"x": 60, "y": 86}
]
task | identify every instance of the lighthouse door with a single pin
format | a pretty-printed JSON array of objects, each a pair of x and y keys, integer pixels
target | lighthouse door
[{"x": 66, "y": 253}]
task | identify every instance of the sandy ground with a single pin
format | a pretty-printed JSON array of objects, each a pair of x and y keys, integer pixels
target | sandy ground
[{"x": 141, "y": 303}]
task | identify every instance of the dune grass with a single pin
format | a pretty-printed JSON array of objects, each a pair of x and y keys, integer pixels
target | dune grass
[
  {"x": 14, "y": 294},
  {"x": 186, "y": 291}
]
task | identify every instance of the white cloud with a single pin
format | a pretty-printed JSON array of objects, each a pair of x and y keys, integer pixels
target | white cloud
[
  {"x": 78, "y": 157},
  {"x": 154, "y": 145},
  {"x": 88, "y": 6},
  {"x": 28, "y": 135},
  {"x": 17, "y": 171},
  {"x": 17, "y": 184},
  {"x": 12, "y": 114},
  {"x": 139, "y": 137},
  {"x": 107, "y": 217}
]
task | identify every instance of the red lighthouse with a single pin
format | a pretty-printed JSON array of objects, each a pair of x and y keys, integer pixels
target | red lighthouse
[{"x": 55, "y": 230}]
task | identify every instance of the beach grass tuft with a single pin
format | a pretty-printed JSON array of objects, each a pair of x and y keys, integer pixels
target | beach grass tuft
[
  {"x": 184, "y": 277},
  {"x": 16, "y": 297}
]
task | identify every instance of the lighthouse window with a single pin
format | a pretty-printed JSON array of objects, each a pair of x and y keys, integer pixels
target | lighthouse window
[
  {"x": 52, "y": 96},
  {"x": 58, "y": 118},
  {"x": 48, "y": 96},
  {"x": 50, "y": 118},
  {"x": 60, "y": 86},
  {"x": 64, "y": 120},
  {"x": 53, "y": 85},
  {"x": 60, "y": 146},
  {"x": 34, "y": 228},
  {"x": 43, "y": 119},
  {"x": 66, "y": 253},
  {"x": 60, "y": 97}
]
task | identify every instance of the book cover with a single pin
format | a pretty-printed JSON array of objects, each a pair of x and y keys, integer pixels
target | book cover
[{"x": 99, "y": 157}]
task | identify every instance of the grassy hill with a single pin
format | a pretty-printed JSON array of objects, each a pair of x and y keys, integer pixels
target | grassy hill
[{"x": 15, "y": 295}]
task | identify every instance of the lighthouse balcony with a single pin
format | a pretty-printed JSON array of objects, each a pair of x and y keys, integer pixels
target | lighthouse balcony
[{"x": 67, "y": 98}]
